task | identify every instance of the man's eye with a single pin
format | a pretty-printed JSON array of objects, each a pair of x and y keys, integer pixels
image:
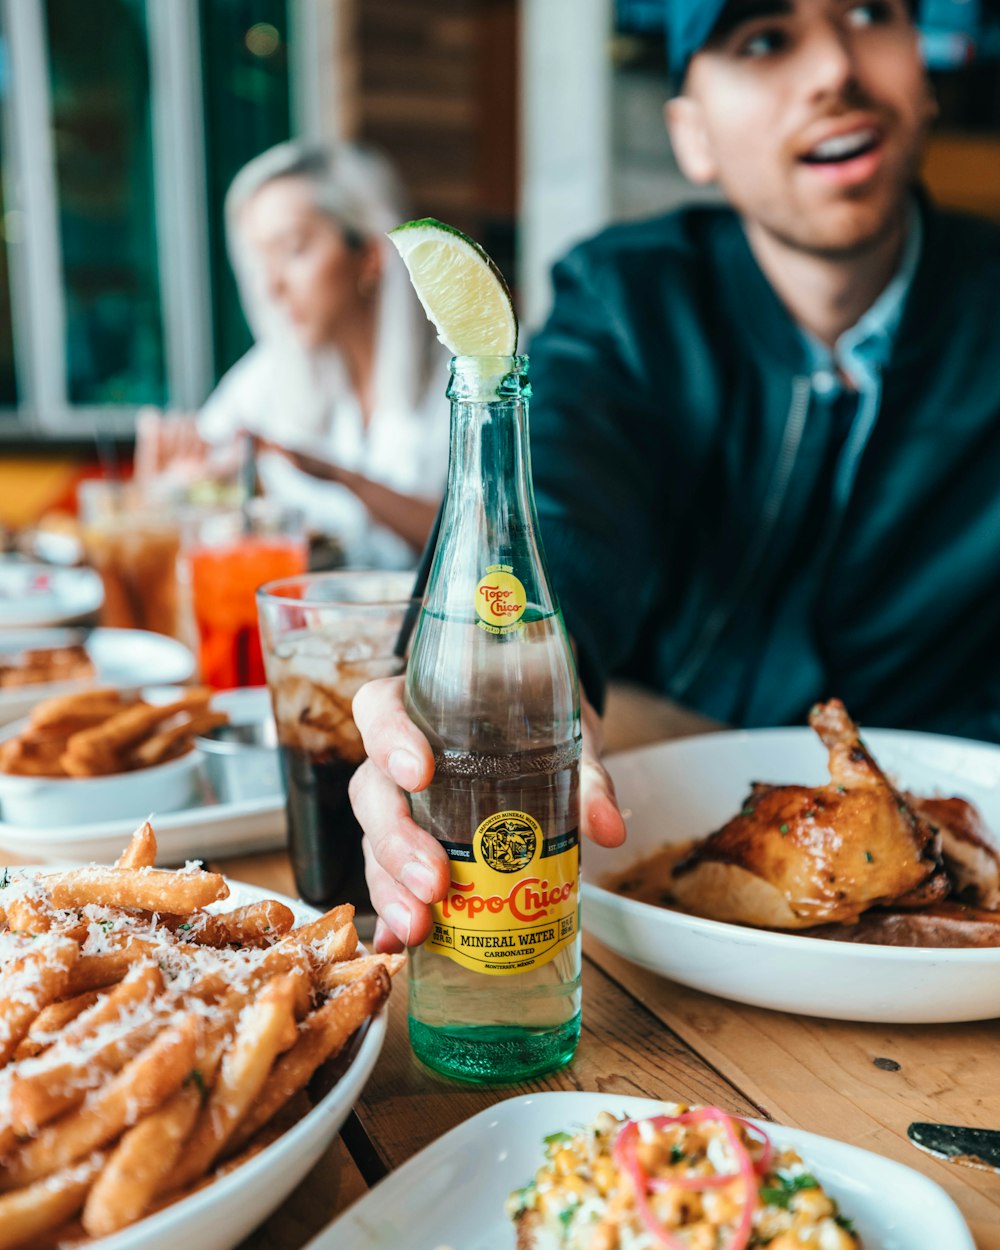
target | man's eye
[
  {"x": 763, "y": 43},
  {"x": 873, "y": 14}
]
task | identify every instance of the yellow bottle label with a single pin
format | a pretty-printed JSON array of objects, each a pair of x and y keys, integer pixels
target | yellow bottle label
[
  {"x": 515, "y": 903},
  {"x": 500, "y": 600}
]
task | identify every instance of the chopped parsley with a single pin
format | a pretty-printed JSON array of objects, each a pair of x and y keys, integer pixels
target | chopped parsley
[
  {"x": 195, "y": 1078},
  {"x": 780, "y": 1195},
  {"x": 676, "y": 1153},
  {"x": 566, "y": 1216},
  {"x": 748, "y": 811},
  {"x": 557, "y": 1139},
  {"x": 782, "y": 829},
  {"x": 185, "y": 925},
  {"x": 869, "y": 857},
  {"x": 846, "y": 1224},
  {"x": 842, "y": 789},
  {"x": 5, "y": 881}
]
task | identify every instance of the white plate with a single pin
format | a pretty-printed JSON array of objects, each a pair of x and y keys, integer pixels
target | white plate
[
  {"x": 206, "y": 829},
  {"x": 689, "y": 787},
  {"x": 125, "y": 659},
  {"x": 219, "y": 1216},
  {"x": 43, "y": 594},
  {"x": 453, "y": 1192}
]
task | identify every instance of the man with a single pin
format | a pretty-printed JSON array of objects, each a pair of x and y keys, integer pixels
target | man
[{"x": 768, "y": 435}]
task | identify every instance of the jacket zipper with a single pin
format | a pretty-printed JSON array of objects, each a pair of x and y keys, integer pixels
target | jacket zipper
[{"x": 694, "y": 663}]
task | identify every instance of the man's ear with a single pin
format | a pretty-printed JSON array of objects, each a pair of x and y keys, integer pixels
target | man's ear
[{"x": 686, "y": 128}]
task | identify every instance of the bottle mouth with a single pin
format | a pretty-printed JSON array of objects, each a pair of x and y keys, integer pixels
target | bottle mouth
[{"x": 489, "y": 378}]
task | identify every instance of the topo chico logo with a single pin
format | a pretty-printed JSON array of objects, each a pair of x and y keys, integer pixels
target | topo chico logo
[
  {"x": 507, "y": 841},
  {"x": 500, "y": 599}
]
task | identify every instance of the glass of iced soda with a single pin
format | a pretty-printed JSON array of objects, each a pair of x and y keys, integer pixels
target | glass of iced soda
[{"x": 324, "y": 635}]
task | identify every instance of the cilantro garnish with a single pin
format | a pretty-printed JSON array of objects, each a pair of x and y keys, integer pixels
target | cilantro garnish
[
  {"x": 196, "y": 1079},
  {"x": 780, "y": 1195}
]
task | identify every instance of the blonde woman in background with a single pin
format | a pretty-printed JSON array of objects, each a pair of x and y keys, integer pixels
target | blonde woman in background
[{"x": 345, "y": 385}]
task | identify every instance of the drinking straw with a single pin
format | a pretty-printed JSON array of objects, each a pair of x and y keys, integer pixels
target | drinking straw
[{"x": 419, "y": 586}]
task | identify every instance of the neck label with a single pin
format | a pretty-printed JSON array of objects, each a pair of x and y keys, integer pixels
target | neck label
[{"x": 500, "y": 600}]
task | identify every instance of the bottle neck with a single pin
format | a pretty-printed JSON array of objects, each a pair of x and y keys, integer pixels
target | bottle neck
[
  {"x": 489, "y": 472},
  {"x": 488, "y": 520}
]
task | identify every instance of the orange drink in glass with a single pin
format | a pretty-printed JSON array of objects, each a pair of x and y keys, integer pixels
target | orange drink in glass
[{"x": 229, "y": 558}]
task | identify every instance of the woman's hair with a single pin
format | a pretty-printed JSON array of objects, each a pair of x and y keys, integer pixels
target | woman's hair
[
  {"x": 353, "y": 185},
  {"x": 358, "y": 189}
]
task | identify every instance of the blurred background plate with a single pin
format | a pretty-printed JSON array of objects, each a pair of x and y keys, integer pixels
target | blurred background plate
[
  {"x": 124, "y": 659},
  {"x": 208, "y": 827},
  {"x": 41, "y": 594}
]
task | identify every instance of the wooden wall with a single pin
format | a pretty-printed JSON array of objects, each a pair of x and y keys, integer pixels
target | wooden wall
[{"x": 435, "y": 86}]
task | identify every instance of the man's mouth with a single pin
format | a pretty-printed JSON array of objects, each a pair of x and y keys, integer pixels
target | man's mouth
[{"x": 840, "y": 148}]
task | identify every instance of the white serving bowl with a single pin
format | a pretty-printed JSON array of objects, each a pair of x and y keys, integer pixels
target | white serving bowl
[
  {"x": 222, "y": 1214},
  {"x": 46, "y": 802}
]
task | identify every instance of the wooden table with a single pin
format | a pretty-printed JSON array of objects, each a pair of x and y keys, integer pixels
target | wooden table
[{"x": 646, "y": 1036}]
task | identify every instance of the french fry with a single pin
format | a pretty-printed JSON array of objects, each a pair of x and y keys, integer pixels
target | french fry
[
  {"x": 162, "y": 746},
  {"x": 28, "y": 984},
  {"x": 51, "y": 711},
  {"x": 339, "y": 945},
  {"x": 119, "y": 733},
  {"x": 150, "y": 889},
  {"x": 140, "y": 1162},
  {"x": 141, "y": 850},
  {"x": 323, "y": 1034},
  {"x": 141, "y": 1086},
  {"x": 59, "y": 1080},
  {"x": 332, "y": 976},
  {"x": 262, "y": 1029},
  {"x": 335, "y": 918},
  {"x": 50, "y": 1021},
  {"x": 256, "y": 924},
  {"x": 97, "y": 972},
  {"x": 27, "y": 1214}
]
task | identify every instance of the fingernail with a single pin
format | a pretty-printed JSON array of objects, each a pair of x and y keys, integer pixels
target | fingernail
[
  {"x": 404, "y": 769},
  {"x": 398, "y": 919},
  {"x": 419, "y": 880}
]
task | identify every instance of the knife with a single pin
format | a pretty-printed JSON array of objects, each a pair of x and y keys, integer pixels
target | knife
[{"x": 975, "y": 1147}]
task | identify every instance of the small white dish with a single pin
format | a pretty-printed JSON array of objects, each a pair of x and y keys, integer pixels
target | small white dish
[
  {"x": 124, "y": 659},
  {"x": 44, "y": 594},
  {"x": 205, "y": 826},
  {"x": 453, "y": 1192},
  {"x": 50, "y": 802},
  {"x": 688, "y": 787},
  {"x": 219, "y": 1216}
]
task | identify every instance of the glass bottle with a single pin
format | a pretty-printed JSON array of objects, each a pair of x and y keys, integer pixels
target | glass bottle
[{"x": 495, "y": 990}]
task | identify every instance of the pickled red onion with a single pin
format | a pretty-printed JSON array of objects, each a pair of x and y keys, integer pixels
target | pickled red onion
[{"x": 625, "y": 1156}]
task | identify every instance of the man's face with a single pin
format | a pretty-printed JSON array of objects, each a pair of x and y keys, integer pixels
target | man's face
[{"x": 810, "y": 115}]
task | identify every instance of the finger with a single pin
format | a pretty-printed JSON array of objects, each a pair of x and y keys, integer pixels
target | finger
[
  {"x": 412, "y": 858},
  {"x": 600, "y": 817},
  {"x": 392, "y": 741},
  {"x": 403, "y": 920}
]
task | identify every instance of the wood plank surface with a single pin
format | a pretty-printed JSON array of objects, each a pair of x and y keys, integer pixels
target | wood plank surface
[
  {"x": 821, "y": 1075},
  {"x": 623, "y": 1051},
  {"x": 330, "y": 1188}
]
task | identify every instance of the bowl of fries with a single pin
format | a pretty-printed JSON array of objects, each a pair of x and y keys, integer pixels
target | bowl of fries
[
  {"x": 101, "y": 755},
  {"x": 176, "y": 1051}
]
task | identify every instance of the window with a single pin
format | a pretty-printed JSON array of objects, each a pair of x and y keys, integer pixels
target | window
[{"x": 122, "y": 123}]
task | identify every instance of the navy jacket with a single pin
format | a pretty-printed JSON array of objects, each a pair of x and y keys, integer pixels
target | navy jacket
[{"x": 672, "y": 438}]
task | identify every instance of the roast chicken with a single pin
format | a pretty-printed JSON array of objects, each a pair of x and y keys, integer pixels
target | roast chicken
[{"x": 800, "y": 856}]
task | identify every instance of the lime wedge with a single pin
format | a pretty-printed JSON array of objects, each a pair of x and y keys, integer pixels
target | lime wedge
[{"x": 462, "y": 291}]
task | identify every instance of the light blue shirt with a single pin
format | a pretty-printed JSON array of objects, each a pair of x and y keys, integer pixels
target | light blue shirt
[{"x": 862, "y": 352}]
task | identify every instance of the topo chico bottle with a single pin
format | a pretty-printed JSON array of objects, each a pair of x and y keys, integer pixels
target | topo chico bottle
[{"x": 495, "y": 989}]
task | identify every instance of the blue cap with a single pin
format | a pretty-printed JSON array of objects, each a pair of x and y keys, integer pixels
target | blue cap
[{"x": 688, "y": 25}]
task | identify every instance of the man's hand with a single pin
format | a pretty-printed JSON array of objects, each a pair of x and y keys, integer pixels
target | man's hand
[{"x": 407, "y": 869}]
